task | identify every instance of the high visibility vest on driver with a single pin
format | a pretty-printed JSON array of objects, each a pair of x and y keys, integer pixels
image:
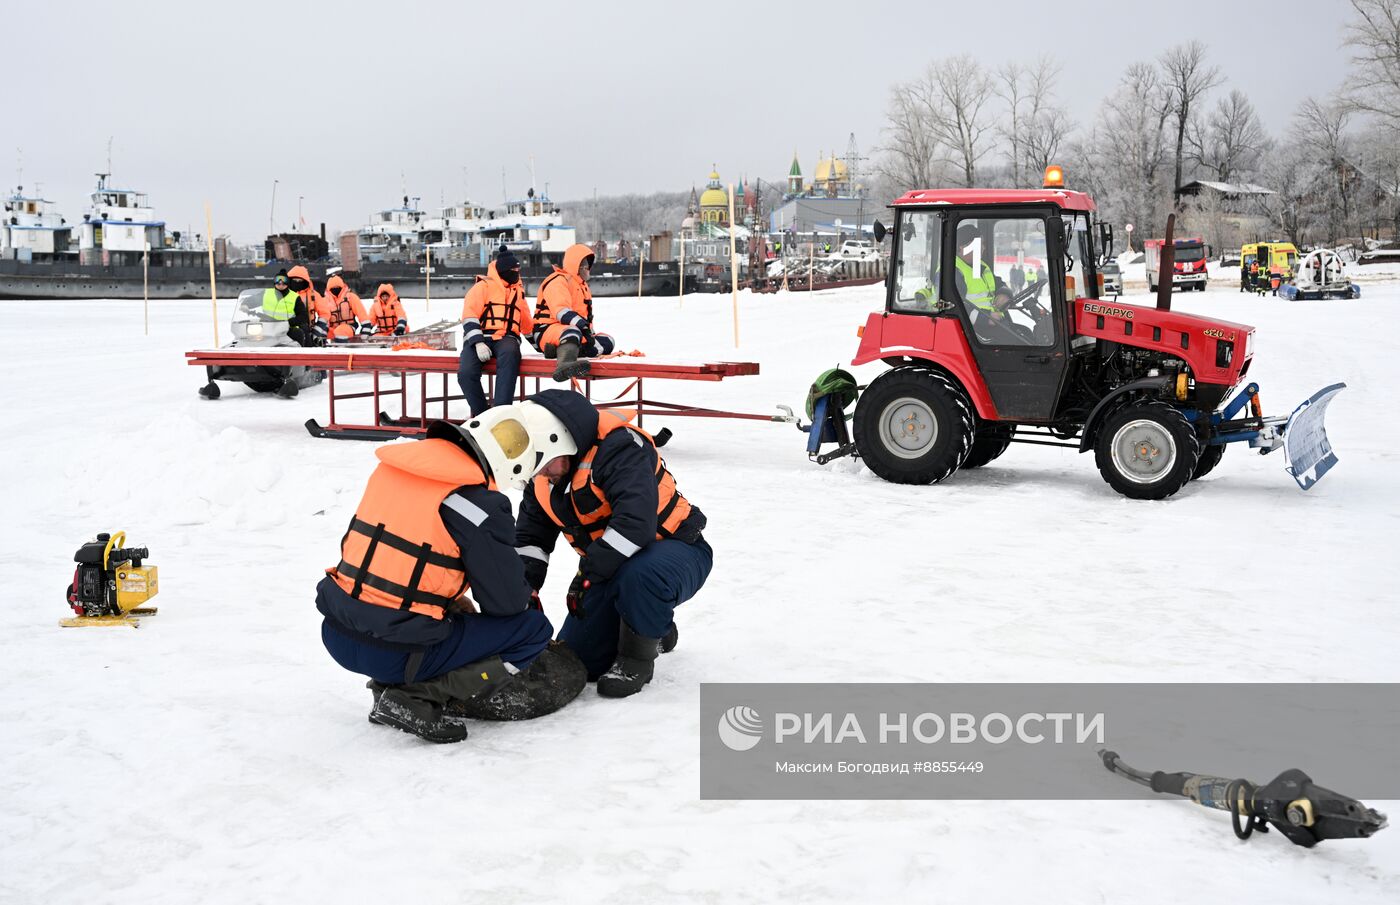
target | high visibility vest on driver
[
  {"x": 980, "y": 289},
  {"x": 279, "y": 306}
]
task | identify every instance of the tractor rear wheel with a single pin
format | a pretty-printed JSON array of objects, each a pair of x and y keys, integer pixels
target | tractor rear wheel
[
  {"x": 990, "y": 440},
  {"x": 913, "y": 426},
  {"x": 1210, "y": 457},
  {"x": 1147, "y": 450}
]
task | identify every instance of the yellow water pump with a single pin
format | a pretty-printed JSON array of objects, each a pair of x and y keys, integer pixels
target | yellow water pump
[{"x": 110, "y": 583}]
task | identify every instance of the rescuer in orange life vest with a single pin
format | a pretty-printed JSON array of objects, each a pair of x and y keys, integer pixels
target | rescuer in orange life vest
[
  {"x": 317, "y": 311},
  {"x": 386, "y": 315},
  {"x": 432, "y": 525},
  {"x": 347, "y": 315},
  {"x": 639, "y": 541},
  {"x": 494, "y": 317},
  {"x": 564, "y": 316}
]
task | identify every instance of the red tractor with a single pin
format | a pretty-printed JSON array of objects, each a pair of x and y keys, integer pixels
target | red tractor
[{"x": 995, "y": 333}]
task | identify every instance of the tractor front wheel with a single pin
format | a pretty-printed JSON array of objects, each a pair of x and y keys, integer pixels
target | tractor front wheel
[
  {"x": 913, "y": 426},
  {"x": 1147, "y": 450}
]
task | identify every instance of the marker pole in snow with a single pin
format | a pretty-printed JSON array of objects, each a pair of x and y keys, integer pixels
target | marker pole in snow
[
  {"x": 146, "y": 286},
  {"x": 213, "y": 290},
  {"x": 1305, "y": 813},
  {"x": 733, "y": 267},
  {"x": 641, "y": 262},
  {"x": 680, "y": 293}
]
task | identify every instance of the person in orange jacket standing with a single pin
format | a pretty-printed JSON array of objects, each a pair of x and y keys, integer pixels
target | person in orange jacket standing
[
  {"x": 494, "y": 317},
  {"x": 386, "y": 315},
  {"x": 347, "y": 315},
  {"x": 564, "y": 316}
]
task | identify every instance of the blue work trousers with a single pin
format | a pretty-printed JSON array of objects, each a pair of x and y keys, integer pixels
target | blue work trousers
[
  {"x": 506, "y": 352},
  {"x": 645, "y": 592}
]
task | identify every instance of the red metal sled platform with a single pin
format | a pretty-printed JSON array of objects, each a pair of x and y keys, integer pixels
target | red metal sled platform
[{"x": 391, "y": 373}]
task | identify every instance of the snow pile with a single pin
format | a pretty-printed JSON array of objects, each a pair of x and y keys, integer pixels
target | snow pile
[{"x": 218, "y": 755}]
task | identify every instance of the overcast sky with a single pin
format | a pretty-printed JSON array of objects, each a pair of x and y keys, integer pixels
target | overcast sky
[{"x": 346, "y": 103}]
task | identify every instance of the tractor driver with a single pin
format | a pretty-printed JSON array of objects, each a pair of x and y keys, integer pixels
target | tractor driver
[{"x": 983, "y": 293}]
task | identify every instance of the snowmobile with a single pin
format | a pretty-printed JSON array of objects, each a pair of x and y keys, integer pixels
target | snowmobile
[{"x": 256, "y": 329}]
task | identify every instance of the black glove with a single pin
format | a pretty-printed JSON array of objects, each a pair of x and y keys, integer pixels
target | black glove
[
  {"x": 574, "y": 598},
  {"x": 535, "y": 571},
  {"x": 400, "y": 328},
  {"x": 601, "y": 562}
]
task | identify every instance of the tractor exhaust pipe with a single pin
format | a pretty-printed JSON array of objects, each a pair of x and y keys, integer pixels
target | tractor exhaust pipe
[{"x": 1166, "y": 267}]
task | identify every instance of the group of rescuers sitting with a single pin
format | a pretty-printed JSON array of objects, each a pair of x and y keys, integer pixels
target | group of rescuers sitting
[{"x": 495, "y": 315}]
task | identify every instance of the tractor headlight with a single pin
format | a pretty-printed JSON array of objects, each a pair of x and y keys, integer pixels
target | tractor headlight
[{"x": 1224, "y": 353}]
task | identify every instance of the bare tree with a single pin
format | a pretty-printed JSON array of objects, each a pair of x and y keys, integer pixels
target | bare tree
[
  {"x": 1375, "y": 37},
  {"x": 1187, "y": 79},
  {"x": 1046, "y": 135},
  {"x": 963, "y": 90},
  {"x": 1035, "y": 126},
  {"x": 909, "y": 157},
  {"x": 1129, "y": 143},
  {"x": 1322, "y": 131},
  {"x": 1230, "y": 141},
  {"x": 1010, "y": 88},
  {"x": 1292, "y": 210}
]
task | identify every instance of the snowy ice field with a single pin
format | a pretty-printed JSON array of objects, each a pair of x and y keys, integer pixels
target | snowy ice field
[{"x": 218, "y": 754}]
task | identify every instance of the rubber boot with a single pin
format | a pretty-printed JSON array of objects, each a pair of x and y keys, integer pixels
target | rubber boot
[
  {"x": 210, "y": 390},
  {"x": 635, "y": 664},
  {"x": 416, "y": 716},
  {"x": 554, "y": 679},
  {"x": 376, "y": 689},
  {"x": 289, "y": 388},
  {"x": 569, "y": 365}
]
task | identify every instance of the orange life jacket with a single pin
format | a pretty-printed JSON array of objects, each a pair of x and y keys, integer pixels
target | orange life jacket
[
  {"x": 591, "y": 508},
  {"x": 346, "y": 312},
  {"x": 385, "y": 314},
  {"x": 397, "y": 553},
  {"x": 316, "y": 307},
  {"x": 564, "y": 290},
  {"x": 499, "y": 307}
]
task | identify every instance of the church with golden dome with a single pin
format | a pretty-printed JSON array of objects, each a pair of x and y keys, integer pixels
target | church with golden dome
[
  {"x": 832, "y": 203},
  {"x": 713, "y": 209}
]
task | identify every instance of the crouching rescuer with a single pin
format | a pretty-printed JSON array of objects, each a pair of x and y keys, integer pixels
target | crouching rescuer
[
  {"x": 639, "y": 540},
  {"x": 430, "y": 526}
]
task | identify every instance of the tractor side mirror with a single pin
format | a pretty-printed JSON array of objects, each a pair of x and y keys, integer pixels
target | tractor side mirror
[
  {"x": 880, "y": 231},
  {"x": 1105, "y": 241}
]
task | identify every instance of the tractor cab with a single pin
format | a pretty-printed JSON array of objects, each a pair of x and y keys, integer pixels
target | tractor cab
[{"x": 995, "y": 273}]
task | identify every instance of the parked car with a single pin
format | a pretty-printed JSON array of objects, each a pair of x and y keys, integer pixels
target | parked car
[
  {"x": 859, "y": 250},
  {"x": 1112, "y": 277}
]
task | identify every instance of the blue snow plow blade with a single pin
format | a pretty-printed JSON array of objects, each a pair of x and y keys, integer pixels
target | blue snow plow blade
[{"x": 1305, "y": 444}]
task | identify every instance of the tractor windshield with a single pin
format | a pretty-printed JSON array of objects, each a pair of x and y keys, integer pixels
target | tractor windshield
[
  {"x": 1001, "y": 274},
  {"x": 916, "y": 279}
]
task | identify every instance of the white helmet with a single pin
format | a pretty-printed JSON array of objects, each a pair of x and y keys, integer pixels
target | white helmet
[
  {"x": 516, "y": 441},
  {"x": 549, "y": 436}
]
